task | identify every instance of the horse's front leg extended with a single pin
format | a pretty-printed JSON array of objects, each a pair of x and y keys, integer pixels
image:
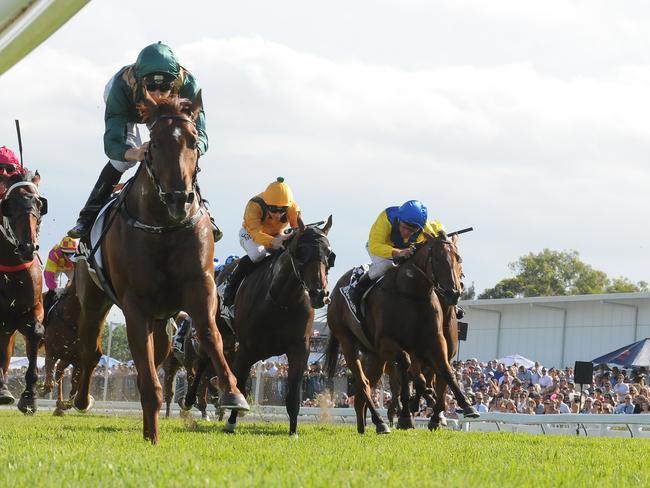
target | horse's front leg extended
[
  {"x": 201, "y": 305},
  {"x": 141, "y": 342},
  {"x": 297, "y": 358},
  {"x": 33, "y": 338},
  {"x": 6, "y": 347}
]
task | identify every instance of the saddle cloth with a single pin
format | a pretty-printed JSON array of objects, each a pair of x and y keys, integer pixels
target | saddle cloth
[{"x": 359, "y": 315}]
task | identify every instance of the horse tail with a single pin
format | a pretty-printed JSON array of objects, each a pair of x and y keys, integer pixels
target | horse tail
[{"x": 332, "y": 356}]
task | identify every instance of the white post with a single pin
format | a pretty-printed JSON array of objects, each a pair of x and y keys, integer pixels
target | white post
[
  {"x": 258, "y": 383},
  {"x": 108, "y": 354}
]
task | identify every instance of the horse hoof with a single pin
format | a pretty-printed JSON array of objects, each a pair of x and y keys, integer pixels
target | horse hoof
[
  {"x": 234, "y": 401},
  {"x": 6, "y": 398},
  {"x": 66, "y": 405},
  {"x": 405, "y": 423},
  {"x": 58, "y": 412},
  {"x": 229, "y": 428},
  {"x": 294, "y": 435},
  {"x": 27, "y": 404},
  {"x": 205, "y": 416},
  {"x": 91, "y": 402},
  {"x": 44, "y": 391},
  {"x": 433, "y": 425},
  {"x": 184, "y": 406},
  {"x": 382, "y": 429},
  {"x": 471, "y": 413}
]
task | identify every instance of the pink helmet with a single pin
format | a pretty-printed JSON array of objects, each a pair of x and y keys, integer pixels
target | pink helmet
[{"x": 9, "y": 164}]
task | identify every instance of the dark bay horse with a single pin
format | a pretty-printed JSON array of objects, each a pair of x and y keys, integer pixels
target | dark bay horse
[
  {"x": 404, "y": 320},
  {"x": 62, "y": 346},
  {"x": 158, "y": 254},
  {"x": 191, "y": 362},
  {"x": 274, "y": 311},
  {"x": 21, "y": 282}
]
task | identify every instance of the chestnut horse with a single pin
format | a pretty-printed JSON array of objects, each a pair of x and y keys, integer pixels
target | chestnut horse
[
  {"x": 21, "y": 283},
  {"x": 404, "y": 319},
  {"x": 274, "y": 311},
  {"x": 61, "y": 346},
  {"x": 158, "y": 255}
]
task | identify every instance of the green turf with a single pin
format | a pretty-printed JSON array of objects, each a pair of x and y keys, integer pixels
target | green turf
[{"x": 109, "y": 451}]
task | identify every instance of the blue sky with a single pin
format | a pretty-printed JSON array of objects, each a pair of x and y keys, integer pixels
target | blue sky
[{"x": 526, "y": 120}]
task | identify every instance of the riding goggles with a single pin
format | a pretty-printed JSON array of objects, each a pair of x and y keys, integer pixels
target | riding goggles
[{"x": 276, "y": 209}]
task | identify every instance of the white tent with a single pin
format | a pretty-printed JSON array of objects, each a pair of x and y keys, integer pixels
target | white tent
[
  {"x": 516, "y": 359},
  {"x": 18, "y": 362}
]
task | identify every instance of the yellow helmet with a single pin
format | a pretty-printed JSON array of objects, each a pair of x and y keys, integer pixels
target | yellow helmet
[
  {"x": 278, "y": 193},
  {"x": 68, "y": 244}
]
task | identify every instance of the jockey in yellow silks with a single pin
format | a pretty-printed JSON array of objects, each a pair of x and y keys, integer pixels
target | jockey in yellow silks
[
  {"x": 393, "y": 235},
  {"x": 266, "y": 217}
]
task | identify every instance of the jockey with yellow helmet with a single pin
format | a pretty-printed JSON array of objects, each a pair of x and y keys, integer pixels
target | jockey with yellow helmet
[
  {"x": 393, "y": 235},
  {"x": 266, "y": 217},
  {"x": 59, "y": 262}
]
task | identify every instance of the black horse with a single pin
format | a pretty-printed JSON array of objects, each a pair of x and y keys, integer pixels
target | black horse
[{"x": 274, "y": 311}]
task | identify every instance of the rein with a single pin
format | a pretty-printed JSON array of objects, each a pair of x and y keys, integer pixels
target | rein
[
  {"x": 187, "y": 223},
  {"x": 5, "y": 225}
]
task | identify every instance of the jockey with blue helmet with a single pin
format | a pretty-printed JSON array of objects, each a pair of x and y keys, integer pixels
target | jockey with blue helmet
[{"x": 393, "y": 235}]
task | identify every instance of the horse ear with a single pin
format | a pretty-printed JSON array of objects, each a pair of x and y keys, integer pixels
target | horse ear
[
  {"x": 36, "y": 179},
  {"x": 301, "y": 224},
  {"x": 147, "y": 105},
  {"x": 197, "y": 106},
  {"x": 328, "y": 225}
]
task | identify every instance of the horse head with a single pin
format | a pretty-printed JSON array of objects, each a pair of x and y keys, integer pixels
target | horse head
[
  {"x": 313, "y": 257},
  {"x": 172, "y": 156},
  {"x": 445, "y": 263},
  {"x": 21, "y": 210}
]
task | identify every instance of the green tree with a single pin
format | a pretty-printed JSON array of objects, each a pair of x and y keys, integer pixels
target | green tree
[
  {"x": 553, "y": 273},
  {"x": 119, "y": 342}
]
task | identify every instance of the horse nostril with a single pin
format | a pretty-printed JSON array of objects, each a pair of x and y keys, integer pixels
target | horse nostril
[
  {"x": 327, "y": 300},
  {"x": 190, "y": 197}
]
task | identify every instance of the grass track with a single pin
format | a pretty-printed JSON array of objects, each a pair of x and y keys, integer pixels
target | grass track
[{"x": 109, "y": 451}]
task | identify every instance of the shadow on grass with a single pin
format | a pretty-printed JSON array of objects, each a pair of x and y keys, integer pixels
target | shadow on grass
[{"x": 243, "y": 428}]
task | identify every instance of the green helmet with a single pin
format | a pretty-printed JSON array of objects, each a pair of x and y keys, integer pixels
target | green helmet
[{"x": 157, "y": 58}]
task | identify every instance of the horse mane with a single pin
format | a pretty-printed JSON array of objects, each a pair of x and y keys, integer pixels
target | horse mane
[{"x": 172, "y": 105}]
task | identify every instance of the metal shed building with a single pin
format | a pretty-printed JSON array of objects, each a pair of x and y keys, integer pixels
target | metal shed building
[{"x": 555, "y": 330}]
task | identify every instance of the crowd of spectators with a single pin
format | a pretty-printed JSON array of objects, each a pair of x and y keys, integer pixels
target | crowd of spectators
[
  {"x": 495, "y": 387},
  {"x": 490, "y": 386}
]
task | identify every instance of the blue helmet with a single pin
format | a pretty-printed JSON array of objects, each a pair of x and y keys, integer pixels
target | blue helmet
[{"x": 413, "y": 212}]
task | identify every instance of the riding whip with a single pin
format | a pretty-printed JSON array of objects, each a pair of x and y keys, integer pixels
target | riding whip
[
  {"x": 461, "y": 231},
  {"x": 20, "y": 142}
]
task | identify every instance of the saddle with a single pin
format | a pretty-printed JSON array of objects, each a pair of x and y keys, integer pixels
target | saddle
[
  {"x": 95, "y": 263},
  {"x": 361, "y": 332}
]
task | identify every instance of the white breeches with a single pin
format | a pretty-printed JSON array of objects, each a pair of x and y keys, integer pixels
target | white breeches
[
  {"x": 255, "y": 251},
  {"x": 378, "y": 266}
]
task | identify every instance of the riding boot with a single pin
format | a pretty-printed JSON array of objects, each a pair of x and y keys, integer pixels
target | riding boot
[
  {"x": 108, "y": 178},
  {"x": 358, "y": 290},
  {"x": 179, "y": 338},
  {"x": 244, "y": 267}
]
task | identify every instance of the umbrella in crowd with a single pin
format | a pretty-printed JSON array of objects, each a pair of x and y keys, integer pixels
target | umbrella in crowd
[
  {"x": 632, "y": 355},
  {"x": 516, "y": 359},
  {"x": 111, "y": 361}
]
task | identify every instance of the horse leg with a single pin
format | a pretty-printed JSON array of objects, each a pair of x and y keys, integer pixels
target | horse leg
[
  {"x": 437, "y": 358},
  {"x": 363, "y": 389},
  {"x": 49, "y": 381},
  {"x": 140, "y": 334},
  {"x": 6, "y": 348},
  {"x": 202, "y": 398},
  {"x": 91, "y": 326},
  {"x": 27, "y": 402},
  {"x": 193, "y": 382},
  {"x": 297, "y": 358},
  {"x": 242, "y": 367},
  {"x": 438, "y": 419},
  {"x": 405, "y": 420},
  {"x": 171, "y": 368},
  {"x": 74, "y": 385},
  {"x": 58, "y": 383},
  {"x": 210, "y": 339}
]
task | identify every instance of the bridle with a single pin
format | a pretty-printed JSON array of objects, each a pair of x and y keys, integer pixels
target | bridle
[
  {"x": 432, "y": 279},
  {"x": 167, "y": 197},
  {"x": 320, "y": 251},
  {"x": 28, "y": 204}
]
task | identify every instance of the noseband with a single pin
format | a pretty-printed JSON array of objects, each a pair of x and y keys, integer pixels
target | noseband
[
  {"x": 324, "y": 255},
  {"x": 28, "y": 203},
  {"x": 431, "y": 277},
  {"x": 167, "y": 197}
]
